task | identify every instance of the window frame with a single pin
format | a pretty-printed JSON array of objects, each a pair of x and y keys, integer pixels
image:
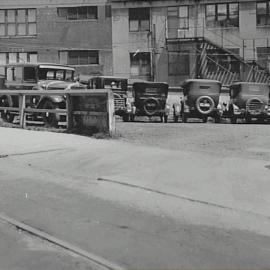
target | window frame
[
  {"x": 266, "y": 14},
  {"x": 216, "y": 21},
  {"x": 141, "y": 64},
  {"x": 14, "y": 24},
  {"x": 135, "y": 15},
  {"x": 80, "y": 60},
  {"x": 76, "y": 13}
]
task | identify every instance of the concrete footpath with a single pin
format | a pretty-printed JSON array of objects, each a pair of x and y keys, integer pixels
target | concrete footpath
[{"x": 25, "y": 252}]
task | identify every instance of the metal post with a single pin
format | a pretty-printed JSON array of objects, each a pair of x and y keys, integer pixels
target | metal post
[
  {"x": 22, "y": 113},
  {"x": 69, "y": 105}
]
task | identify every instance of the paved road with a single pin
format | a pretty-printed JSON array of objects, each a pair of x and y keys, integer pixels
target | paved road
[{"x": 158, "y": 196}]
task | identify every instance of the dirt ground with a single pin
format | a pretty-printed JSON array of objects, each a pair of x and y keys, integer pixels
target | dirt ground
[{"x": 241, "y": 140}]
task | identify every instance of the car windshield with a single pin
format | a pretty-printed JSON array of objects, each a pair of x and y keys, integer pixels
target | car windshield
[
  {"x": 55, "y": 74},
  {"x": 111, "y": 83}
]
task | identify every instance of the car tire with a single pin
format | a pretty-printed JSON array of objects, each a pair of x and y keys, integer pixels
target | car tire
[
  {"x": 50, "y": 119},
  {"x": 165, "y": 118},
  {"x": 248, "y": 119},
  {"x": 233, "y": 119},
  {"x": 132, "y": 117},
  {"x": 217, "y": 119},
  {"x": 204, "y": 119},
  {"x": 184, "y": 117},
  {"x": 126, "y": 117}
]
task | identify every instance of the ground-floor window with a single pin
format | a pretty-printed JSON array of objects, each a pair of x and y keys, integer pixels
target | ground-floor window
[
  {"x": 179, "y": 63},
  {"x": 16, "y": 57},
  {"x": 140, "y": 64},
  {"x": 263, "y": 56},
  {"x": 79, "y": 57}
]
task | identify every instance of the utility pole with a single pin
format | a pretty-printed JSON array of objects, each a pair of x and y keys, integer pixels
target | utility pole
[
  {"x": 196, "y": 20},
  {"x": 153, "y": 49}
]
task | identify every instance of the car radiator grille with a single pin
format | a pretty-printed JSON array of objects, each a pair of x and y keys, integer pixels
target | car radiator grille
[
  {"x": 119, "y": 103},
  {"x": 255, "y": 105}
]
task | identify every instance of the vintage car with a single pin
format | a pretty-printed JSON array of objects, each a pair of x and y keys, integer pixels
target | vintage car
[
  {"x": 150, "y": 99},
  {"x": 201, "y": 100},
  {"x": 249, "y": 100},
  {"x": 37, "y": 76},
  {"x": 123, "y": 102}
]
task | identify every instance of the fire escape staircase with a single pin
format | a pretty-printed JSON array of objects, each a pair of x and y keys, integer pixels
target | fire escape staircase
[{"x": 215, "y": 62}]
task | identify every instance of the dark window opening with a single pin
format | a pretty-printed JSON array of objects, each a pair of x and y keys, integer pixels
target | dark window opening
[
  {"x": 139, "y": 19},
  {"x": 83, "y": 58},
  {"x": 29, "y": 74},
  {"x": 263, "y": 13},
  {"x": 78, "y": 13},
  {"x": 140, "y": 64}
]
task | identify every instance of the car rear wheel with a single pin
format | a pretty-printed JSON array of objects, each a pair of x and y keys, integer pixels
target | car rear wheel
[
  {"x": 126, "y": 117},
  {"x": 217, "y": 119},
  {"x": 165, "y": 118},
  {"x": 184, "y": 117},
  {"x": 233, "y": 119},
  {"x": 248, "y": 119}
]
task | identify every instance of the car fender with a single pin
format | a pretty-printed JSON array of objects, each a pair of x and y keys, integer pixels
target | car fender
[{"x": 53, "y": 99}]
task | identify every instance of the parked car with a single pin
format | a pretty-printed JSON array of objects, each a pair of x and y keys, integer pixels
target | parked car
[
  {"x": 249, "y": 100},
  {"x": 37, "y": 76},
  {"x": 150, "y": 99},
  {"x": 123, "y": 103},
  {"x": 201, "y": 100}
]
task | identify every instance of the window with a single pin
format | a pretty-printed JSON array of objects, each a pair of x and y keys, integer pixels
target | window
[
  {"x": 140, "y": 64},
  {"x": 18, "y": 22},
  {"x": 179, "y": 63},
  {"x": 263, "y": 13},
  {"x": 183, "y": 17},
  {"x": 16, "y": 57},
  {"x": 29, "y": 74},
  {"x": 82, "y": 58},
  {"x": 139, "y": 19},
  {"x": 78, "y": 13},
  {"x": 222, "y": 15},
  {"x": 263, "y": 55}
]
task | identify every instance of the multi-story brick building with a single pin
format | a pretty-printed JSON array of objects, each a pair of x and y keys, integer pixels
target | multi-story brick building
[
  {"x": 70, "y": 32},
  {"x": 171, "y": 40}
]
